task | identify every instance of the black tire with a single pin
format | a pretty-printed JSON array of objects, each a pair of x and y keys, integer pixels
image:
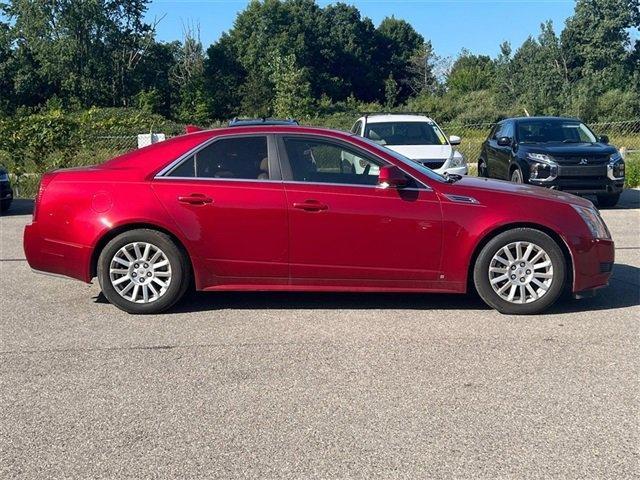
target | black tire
[
  {"x": 178, "y": 261},
  {"x": 481, "y": 271},
  {"x": 516, "y": 176},
  {"x": 608, "y": 201},
  {"x": 482, "y": 169},
  {"x": 5, "y": 205}
]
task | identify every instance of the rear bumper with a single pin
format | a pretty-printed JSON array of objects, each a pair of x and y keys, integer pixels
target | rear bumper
[
  {"x": 56, "y": 257},
  {"x": 593, "y": 263}
]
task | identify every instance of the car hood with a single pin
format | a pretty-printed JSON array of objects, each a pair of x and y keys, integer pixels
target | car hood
[
  {"x": 503, "y": 186},
  {"x": 423, "y": 152},
  {"x": 570, "y": 149}
]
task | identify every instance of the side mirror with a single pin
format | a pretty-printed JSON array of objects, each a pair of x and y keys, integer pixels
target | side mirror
[
  {"x": 504, "y": 141},
  {"x": 454, "y": 140},
  {"x": 391, "y": 176},
  {"x": 604, "y": 139}
]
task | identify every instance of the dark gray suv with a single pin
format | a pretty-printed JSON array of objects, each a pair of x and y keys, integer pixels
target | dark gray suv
[{"x": 559, "y": 153}]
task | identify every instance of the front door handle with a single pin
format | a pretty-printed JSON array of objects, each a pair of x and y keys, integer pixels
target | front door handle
[
  {"x": 195, "y": 199},
  {"x": 310, "y": 206}
]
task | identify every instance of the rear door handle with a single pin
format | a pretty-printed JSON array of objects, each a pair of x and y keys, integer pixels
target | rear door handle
[
  {"x": 195, "y": 199},
  {"x": 310, "y": 206}
]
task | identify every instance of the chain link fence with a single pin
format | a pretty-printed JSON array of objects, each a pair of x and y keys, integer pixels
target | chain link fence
[{"x": 96, "y": 148}]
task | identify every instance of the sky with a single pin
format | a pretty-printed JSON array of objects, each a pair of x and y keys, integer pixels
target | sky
[{"x": 479, "y": 26}]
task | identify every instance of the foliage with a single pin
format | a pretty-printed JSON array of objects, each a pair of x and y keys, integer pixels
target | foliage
[{"x": 298, "y": 57}]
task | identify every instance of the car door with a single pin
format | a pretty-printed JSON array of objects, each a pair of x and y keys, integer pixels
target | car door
[
  {"x": 228, "y": 200},
  {"x": 505, "y": 152},
  {"x": 345, "y": 230},
  {"x": 493, "y": 151}
]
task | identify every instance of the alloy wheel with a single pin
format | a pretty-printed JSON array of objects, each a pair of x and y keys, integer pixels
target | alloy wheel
[
  {"x": 521, "y": 272},
  {"x": 140, "y": 272}
]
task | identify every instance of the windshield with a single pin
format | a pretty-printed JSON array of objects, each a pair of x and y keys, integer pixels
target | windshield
[
  {"x": 415, "y": 165},
  {"x": 405, "y": 133},
  {"x": 554, "y": 131}
]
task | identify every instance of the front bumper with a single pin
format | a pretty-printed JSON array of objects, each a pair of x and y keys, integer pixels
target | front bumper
[
  {"x": 583, "y": 186},
  {"x": 593, "y": 261},
  {"x": 463, "y": 170}
]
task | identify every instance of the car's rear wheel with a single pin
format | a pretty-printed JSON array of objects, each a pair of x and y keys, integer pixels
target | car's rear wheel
[
  {"x": 520, "y": 271},
  {"x": 516, "y": 176},
  {"x": 608, "y": 201},
  {"x": 5, "y": 205},
  {"x": 143, "y": 271},
  {"x": 482, "y": 169}
]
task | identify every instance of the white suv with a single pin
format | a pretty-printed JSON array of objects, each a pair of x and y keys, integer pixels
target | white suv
[{"x": 416, "y": 137}]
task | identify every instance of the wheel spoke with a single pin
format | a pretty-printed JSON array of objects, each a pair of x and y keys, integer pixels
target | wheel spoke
[
  {"x": 118, "y": 271},
  {"x": 523, "y": 294},
  {"x": 497, "y": 270},
  {"x": 539, "y": 284},
  {"x": 126, "y": 289},
  {"x": 544, "y": 264},
  {"x": 507, "y": 252},
  {"x": 127, "y": 254},
  {"x": 160, "y": 264},
  {"x": 518, "y": 250},
  {"x": 500, "y": 259},
  {"x": 145, "y": 293},
  {"x": 527, "y": 252},
  {"x": 121, "y": 261},
  {"x": 134, "y": 294},
  {"x": 136, "y": 250},
  {"x": 534, "y": 294},
  {"x": 159, "y": 282},
  {"x": 512, "y": 292},
  {"x": 542, "y": 275},
  {"x": 499, "y": 279},
  {"x": 120, "y": 280},
  {"x": 147, "y": 249}
]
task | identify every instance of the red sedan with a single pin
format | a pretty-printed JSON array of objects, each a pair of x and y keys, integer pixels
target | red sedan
[{"x": 292, "y": 208}]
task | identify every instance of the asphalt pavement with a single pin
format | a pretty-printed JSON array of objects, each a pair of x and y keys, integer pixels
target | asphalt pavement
[{"x": 279, "y": 385}]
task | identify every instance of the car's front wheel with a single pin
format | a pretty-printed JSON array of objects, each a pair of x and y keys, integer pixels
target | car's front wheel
[
  {"x": 143, "y": 271},
  {"x": 608, "y": 201},
  {"x": 520, "y": 271},
  {"x": 516, "y": 176}
]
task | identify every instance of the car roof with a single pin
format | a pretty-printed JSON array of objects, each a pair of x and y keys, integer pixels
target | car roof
[
  {"x": 396, "y": 117},
  {"x": 547, "y": 118},
  {"x": 239, "y": 122}
]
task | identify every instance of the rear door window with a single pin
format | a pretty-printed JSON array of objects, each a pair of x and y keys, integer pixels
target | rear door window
[{"x": 241, "y": 158}]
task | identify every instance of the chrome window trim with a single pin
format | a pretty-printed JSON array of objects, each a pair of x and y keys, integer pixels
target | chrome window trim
[
  {"x": 293, "y": 182},
  {"x": 364, "y": 151},
  {"x": 219, "y": 179},
  {"x": 173, "y": 165},
  {"x": 351, "y": 185}
]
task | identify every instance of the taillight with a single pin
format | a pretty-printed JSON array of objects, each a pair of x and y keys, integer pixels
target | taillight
[{"x": 46, "y": 180}]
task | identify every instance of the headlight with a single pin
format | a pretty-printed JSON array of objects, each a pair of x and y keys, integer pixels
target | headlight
[
  {"x": 616, "y": 167},
  {"x": 4, "y": 177},
  {"x": 457, "y": 161},
  {"x": 594, "y": 222},
  {"x": 542, "y": 168}
]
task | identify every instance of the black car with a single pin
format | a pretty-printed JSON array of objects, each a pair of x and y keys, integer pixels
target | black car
[
  {"x": 6, "y": 193},
  {"x": 560, "y": 153}
]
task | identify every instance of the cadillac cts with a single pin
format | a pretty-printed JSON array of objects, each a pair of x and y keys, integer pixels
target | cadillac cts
[{"x": 276, "y": 208}]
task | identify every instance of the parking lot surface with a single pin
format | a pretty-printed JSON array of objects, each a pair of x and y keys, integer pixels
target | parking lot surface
[{"x": 268, "y": 385}]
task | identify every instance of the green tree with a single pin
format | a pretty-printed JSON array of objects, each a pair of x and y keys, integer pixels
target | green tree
[
  {"x": 597, "y": 43},
  {"x": 291, "y": 87},
  {"x": 84, "y": 51},
  {"x": 399, "y": 44},
  {"x": 471, "y": 73}
]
